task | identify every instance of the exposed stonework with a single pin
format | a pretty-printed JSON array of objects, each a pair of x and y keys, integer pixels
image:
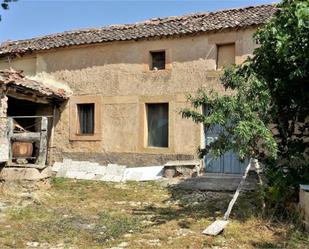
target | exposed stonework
[
  {"x": 129, "y": 159},
  {"x": 4, "y": 150},
  {"x": 4, "y": 144},
  {"x": 17, "y": 80},
  {"x": 3, "y": 111},
  {"x": 15, "y": 174}
]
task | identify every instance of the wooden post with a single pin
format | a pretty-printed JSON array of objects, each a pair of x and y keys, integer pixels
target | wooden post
[
  {"x": 43, "y": 142},
  {"x": 232, "y": 202},
  {"x": 10, "y": 131}
]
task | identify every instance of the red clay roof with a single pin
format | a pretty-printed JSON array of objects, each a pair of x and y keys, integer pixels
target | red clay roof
[
  {"x": 16, "y": 79},
  {"x": 159, "y": 27}
]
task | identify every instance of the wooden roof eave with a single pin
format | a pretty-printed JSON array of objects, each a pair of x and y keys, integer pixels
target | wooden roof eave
[{"x": 24, "y": 93}]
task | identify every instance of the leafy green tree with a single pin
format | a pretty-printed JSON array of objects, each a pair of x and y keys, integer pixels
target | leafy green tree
[
  {"x": 5, "y": 4},
  {"x": 266, "y": 116}
]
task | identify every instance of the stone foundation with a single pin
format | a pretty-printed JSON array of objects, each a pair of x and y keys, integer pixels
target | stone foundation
[
  {"x": 4, "y": 144},
  {"x": 128, "y": 159},
  {"x": 19, "y": 173}
]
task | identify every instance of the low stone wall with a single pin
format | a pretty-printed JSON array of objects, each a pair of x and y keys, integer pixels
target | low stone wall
[
  {"x": 24, "y": 173},
  {"x": 304, "y": 203},
  {"x": 128, "y": 159}
]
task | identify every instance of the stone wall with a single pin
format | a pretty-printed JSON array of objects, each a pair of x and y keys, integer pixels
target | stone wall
[
  {"x": 128, "y": 159},
  {"x": 4, "y": 144}
]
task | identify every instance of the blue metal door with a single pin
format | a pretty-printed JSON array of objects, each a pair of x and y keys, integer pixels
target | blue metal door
[{"x": 228, "y": 163}]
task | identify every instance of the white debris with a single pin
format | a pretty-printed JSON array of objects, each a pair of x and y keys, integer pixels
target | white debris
[
  {"x": 144, "y": 173},
  {"x": 111, "y": 173}
]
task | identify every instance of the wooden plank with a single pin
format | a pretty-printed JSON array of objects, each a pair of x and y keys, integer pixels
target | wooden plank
[
  {"x": 10, "y": 128},
  {"x": 216, "y": 227},
  {"x": 30, "y": 97},
  {"x": 26, "y": 136},
  {"x": 232, "y": 202},
  {"x": 49, "y": 116},
  {"x": 43, "y": 142},
  {"x": 27, "y": 165}
]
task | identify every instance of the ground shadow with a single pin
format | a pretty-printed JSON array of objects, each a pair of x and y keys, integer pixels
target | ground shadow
[{"x": 184, "y": 205}]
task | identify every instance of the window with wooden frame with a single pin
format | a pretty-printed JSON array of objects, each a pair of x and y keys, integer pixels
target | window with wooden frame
[
  {"x": 85, "y": 114},
  {"x": 158, "y": 60},
  {"x": 85, "y": 118},
  {"x": 157, "y": 125},
  {"x": 225, "y": 55}
]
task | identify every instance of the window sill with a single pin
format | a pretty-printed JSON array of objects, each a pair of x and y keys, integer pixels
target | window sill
[
  {"x": 159, "y": 70},
  {"x": 85, "y": 137},
  {"x": 158, "y": 150}
]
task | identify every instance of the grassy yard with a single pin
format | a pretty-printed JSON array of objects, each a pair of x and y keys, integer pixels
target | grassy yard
[{"x": 89, "y": 214}]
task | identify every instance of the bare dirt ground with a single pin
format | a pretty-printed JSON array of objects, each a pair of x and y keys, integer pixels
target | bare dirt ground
[{"x": 69, "y": 214}]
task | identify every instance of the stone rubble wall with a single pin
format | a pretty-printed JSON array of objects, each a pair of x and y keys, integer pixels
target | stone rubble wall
[
  {"x": 24, "y": 173},
  {"x": 4, "y": 143},
  {"x": 86, "y": 170}
]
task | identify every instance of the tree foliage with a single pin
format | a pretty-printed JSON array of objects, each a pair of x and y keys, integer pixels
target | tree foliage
[
  {"x": 267, "y": 115},
  {"x": 5, "y": 4}
]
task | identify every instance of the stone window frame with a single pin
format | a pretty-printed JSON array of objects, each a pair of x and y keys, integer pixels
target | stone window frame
[
  {"x": 148, "y": 60},
  {"x": 143, "y": 136},
  {"x": 73, "y": 119},
  {"x": 218, "y": 45},
  {"x": 152, "y": 60},
  {"x": 147, "y": 123}
]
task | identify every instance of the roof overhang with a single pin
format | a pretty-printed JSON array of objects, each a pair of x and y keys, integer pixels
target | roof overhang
[{"x": 15, "y": 84}]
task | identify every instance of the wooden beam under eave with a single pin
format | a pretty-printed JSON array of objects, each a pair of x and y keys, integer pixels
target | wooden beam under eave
[{"x": 32, "y": 98}]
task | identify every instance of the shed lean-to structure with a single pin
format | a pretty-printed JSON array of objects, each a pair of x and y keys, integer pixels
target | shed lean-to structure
[
  {"x": 129, "y": 82},
  {"x": 26, "y": 121}
]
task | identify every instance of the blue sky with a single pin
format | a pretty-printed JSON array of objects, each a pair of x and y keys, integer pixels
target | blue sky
[{"x": 27, "y": 19}]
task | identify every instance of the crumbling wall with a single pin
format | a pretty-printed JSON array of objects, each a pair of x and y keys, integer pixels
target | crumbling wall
[
  {"x": 26, "y": 64},
  {"x": 4, "y": 144}
]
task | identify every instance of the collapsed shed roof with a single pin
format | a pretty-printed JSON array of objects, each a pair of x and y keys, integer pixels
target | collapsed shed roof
[
  {"x": 158, "y": 27},
  {"x": 17, "y": 82}
]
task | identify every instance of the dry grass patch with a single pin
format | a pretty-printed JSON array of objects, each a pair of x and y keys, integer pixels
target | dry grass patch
[{"x": 89, "y": 214}]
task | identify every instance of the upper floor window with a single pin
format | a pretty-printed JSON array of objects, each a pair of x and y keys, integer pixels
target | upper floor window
[
  {"x": 158, "y": 60},
  {"x": 225, "y": 55}
]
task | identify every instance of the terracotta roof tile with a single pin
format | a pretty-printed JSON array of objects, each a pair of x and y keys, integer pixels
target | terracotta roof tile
[
  {"x": 18, "y": 80},
  {"x": 158, "y": 27}
]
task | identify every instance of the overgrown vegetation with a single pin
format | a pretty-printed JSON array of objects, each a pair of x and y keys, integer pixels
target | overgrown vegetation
[
  {"x": 90, "y": 215},
  {"x": 266, "y": 117}
]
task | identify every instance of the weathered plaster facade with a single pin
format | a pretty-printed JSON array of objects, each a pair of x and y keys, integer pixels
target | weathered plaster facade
[{"x": 118, "y": 74}]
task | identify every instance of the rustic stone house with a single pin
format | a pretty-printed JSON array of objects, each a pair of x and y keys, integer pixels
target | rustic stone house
[{"x": 127, "y": 83}]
